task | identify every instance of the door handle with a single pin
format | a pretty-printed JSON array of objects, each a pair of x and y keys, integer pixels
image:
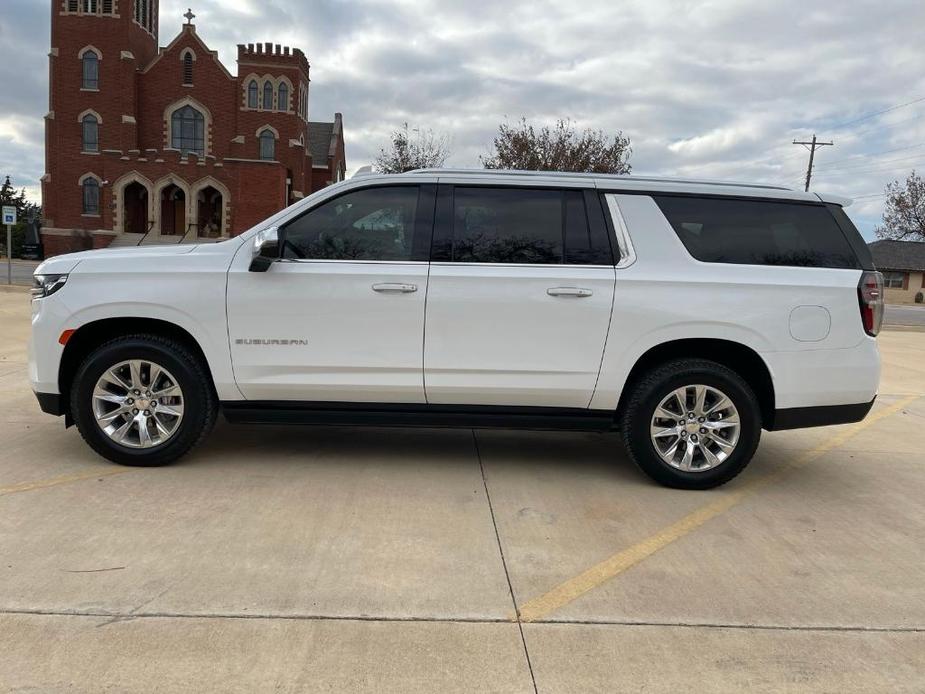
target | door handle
[
  {"x": 577, "y": 292},
  {"x": 396, "y": 287}
]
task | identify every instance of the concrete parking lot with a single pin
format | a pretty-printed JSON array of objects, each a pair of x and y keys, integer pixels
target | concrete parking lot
[{"x": 326, "y": 559}]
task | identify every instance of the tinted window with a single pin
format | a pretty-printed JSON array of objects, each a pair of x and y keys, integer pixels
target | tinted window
[
  {"x": 758, "y": 233},
  {"x": 369, "y": 224},
  {"x": 585, "y": 244},
  {"x": 507, "y": 225}
]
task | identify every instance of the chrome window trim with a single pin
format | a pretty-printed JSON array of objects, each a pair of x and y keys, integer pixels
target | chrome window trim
[
  {"x": 624, "y": 242},
  {"x": 353, "y": 262},
  {"x": 450, "y": 263}
]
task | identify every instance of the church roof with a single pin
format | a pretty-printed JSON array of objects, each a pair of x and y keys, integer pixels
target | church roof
[{"x": 321, "y": 141}]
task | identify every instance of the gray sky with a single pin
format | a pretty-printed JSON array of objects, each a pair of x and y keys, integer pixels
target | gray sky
[{"x": 709, "y": 88}]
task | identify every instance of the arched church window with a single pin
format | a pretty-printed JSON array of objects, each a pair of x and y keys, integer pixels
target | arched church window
[
  {"x": 90, "y": 132},
  {"x": 91, "y": 196},
  {"x": 187, "y": 130},
  {"x": 267, "y": 145}
]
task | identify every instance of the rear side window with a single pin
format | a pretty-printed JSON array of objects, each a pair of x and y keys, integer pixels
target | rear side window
[
  {"x": 526, "y": 226},
  {"x": 753, "y": 232}
]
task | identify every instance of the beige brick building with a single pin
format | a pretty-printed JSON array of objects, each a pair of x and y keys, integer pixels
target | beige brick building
[{"x": 903, "y": 266}]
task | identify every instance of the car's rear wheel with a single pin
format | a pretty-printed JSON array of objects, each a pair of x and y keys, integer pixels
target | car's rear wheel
[
  {"x": 692, "y": 424},
  {"x": 142, "y": 400}
]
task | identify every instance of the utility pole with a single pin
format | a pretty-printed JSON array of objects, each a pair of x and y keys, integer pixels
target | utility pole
[{"x": 812, "y": 146}]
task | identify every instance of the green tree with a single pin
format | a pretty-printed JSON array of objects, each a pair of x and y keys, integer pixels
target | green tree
[{"x": 25, "y": 211}]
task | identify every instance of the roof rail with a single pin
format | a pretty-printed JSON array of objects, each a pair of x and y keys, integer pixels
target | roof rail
[{"x": 574, "y": 174}]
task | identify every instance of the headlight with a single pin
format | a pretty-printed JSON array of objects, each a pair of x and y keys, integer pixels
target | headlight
[{"x": 46, "y": 285}]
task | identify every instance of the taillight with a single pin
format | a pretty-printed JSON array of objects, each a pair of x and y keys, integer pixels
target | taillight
[{"x": 870, "y": 301}]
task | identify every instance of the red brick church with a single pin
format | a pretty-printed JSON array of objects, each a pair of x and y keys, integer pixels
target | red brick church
[{"x": 164, "y": 145}]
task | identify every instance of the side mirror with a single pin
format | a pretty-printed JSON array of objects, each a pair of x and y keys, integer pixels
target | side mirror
[{"x": 266, "y": 249}]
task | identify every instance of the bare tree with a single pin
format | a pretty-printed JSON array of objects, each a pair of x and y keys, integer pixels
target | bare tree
[
  {"x": 411, "y": 149},
  {"x": 558, "y": 148},
  {"x": 904, "y": 215}
]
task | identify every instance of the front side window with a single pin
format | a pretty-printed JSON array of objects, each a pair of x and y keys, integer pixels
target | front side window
[
  {"x": 282, "y": 101},
  {"x": 369, "y": 224},
  {"x": 187, "y": 130},
  {"x": 893, "y": 279},
  {"x": 252, "y": 94},
  {"x": 267, "y": 95},
  {"x": 91, "y": 196},
  {"x": 91, "y": 70},
  {"x": 91, "y": 133},
  {"x": 267, "y": 145},
  {"x": 755, "y": 232}
]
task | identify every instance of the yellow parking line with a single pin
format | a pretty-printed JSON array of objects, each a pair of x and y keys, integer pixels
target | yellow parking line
[
  {"x": 63, "y": 479},
  {"x": 566, "y": 592}
]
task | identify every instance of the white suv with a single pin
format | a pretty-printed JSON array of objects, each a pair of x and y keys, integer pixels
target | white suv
[{"x": 686, "y": 315}]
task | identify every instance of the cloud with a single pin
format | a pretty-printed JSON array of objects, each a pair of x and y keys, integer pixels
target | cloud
[{"x": 706, "y": 88}]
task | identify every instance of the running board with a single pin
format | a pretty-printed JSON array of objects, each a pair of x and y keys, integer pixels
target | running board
[{"x": 401, "y": 415}]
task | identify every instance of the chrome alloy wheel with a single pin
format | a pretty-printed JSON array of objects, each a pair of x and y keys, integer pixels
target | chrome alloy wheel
[
  {"x": 695, "y": 428},
  {"x": 138, "y": 404}
]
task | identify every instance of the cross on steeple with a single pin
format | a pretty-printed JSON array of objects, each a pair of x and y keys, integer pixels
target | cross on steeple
[{"x": 189, "y": 15}]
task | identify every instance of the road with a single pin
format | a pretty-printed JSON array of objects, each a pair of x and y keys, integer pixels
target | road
[
  {"x": 22, "y": 271},
  {"x": 904, "y": 315}
]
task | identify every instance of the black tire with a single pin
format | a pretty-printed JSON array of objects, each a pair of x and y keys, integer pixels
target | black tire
[
  {"x": 199, "y": 399},
  {"x": 648, "y": 392}
]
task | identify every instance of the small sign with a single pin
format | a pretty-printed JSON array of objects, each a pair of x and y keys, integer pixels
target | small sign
[{"x": 9, "y": 214}]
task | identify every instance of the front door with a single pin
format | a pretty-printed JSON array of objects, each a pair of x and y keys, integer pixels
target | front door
[
  {"x": 341, "y": 316},
  {"x": 519, "y": 299}
]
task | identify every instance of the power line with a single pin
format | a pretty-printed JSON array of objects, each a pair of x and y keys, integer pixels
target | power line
[
  {"x": 855, "y": 157},
  {"x": 812, "y": 146},
  {"x": 874, "y": 114},
  {"x": 885, "y": 126},
  {"x": 855, "y": 172},
  {"x": 868, "y": 164}
]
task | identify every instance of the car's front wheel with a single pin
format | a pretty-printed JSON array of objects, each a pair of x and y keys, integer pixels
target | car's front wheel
[
  {"x": 692, "y": 424},
  {"x": 142, "y": 400}
]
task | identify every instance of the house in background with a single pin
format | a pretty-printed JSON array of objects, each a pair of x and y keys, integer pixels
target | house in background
[{"x": 902, "y": 264}]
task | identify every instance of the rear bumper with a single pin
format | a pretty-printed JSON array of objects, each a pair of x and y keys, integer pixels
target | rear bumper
[
  {"x": 819, "y": 416},
  {"x": 50, "y": 403}
]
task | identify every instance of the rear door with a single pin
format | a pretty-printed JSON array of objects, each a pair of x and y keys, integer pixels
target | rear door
[{"x": 519, "y": 297}]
